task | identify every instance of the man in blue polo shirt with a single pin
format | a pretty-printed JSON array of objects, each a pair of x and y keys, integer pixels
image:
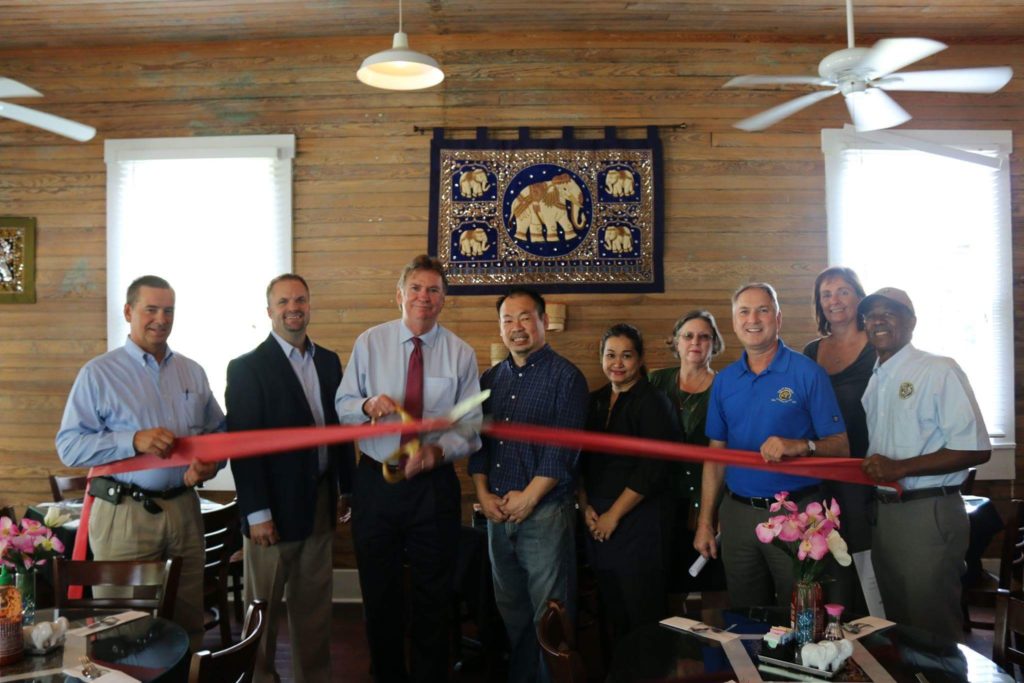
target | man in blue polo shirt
[{"x": 777, "y": 402}]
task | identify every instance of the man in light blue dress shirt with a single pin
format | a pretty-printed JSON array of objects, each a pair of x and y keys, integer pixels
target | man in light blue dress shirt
[
  {"x": 926, "y": 431},
  {"x": 416, "y": 519},
  {"x": 136, "y": 400}
]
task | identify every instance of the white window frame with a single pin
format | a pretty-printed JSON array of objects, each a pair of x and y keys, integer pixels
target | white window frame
[
  {"x": 230, "y": 318},
  {"x": 991, "y": 148}
]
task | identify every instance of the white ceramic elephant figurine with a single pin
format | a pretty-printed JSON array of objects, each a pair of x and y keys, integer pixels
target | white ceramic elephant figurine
[
  {"x": 619, "y": 182},
  {"x": 618, "y": 239},
  {"x": 542, "y": 208},
  {"x": 473, "y": 183},
  {"x": 473, "y": 242},
  {"x": 827, "y": 655}
]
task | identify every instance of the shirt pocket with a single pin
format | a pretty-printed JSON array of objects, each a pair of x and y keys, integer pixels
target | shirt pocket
[
  {"x": 190, "y": 411},
  {"x": 438, "y": 396}
]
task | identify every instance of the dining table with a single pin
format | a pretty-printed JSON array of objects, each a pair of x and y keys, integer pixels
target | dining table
[
  {"x": 149, "y": 649},
  {"x": 723, "y": 645}
]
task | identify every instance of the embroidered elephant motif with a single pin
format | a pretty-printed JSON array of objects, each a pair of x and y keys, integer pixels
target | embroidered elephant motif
[
  {"x": 542, "y": 208},
  {"x": 618, "y": 239},
  {"x": 619, "y": 182},
  {"x": 473, "y": 242},
  {"x": 473, "y": 183}
]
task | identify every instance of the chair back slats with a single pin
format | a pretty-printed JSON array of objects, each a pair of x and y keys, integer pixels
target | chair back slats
[
  {"x": 60, "y": 485},
  {"x": 233, "y": 664},
  {"x": 153, "y": 584},
  {"x": 1011, "y": 561},
  {"x": 557, "y": 639},
  {"x": 1008, "y": 644},
  {"x": 222, "y": 537}
]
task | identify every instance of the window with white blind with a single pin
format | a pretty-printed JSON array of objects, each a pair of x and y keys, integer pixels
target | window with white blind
[
  {"x": 211, "y": 215},
  {"x": 937, "y": 224}
]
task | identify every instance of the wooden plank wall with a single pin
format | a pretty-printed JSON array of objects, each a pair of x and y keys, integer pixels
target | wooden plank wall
[{"x": 738, "y": 206}]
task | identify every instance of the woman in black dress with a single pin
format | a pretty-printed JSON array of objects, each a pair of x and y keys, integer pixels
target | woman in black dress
[
  {"x": 695, "y": 342},
  {"x": 843, "y": 350},
  {"x": 622, "y": 497}
]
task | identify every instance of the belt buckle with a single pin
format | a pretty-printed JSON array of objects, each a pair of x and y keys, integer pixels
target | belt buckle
[{"x": 888, "y": 497}]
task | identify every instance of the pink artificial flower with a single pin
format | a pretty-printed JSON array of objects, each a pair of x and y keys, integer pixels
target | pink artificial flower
[
  {"x": 33, "y": 528},
  {"x": 781, "y": 502},
  {"x": 767, "y": 531},
  {"x": 815, "y": 513},
  {"x": 8, "y": 528},
  {"x": 791, "y": 529},
  {"x": 814, "y": 545},
  {"x": 49, "y": 544},
  {"x": 832, "y": 513}
]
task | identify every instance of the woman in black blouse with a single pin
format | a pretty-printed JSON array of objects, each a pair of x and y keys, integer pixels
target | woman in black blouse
[
  {"x": 622, "y": 497},
  {"x": 843, "y": 350}
]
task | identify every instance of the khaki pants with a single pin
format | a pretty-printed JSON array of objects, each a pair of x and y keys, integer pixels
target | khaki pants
[
  {"x": 301, "y": 572},
  {"x": 128, "y": 532}
]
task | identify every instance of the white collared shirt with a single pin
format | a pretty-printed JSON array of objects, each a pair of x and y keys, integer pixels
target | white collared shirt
[{"x": 918, "y": 403}]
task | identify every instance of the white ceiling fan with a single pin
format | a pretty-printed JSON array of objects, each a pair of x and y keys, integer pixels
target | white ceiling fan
[
  {"x": 863, "y": 75},
  {"x": 39, "y": 119}
]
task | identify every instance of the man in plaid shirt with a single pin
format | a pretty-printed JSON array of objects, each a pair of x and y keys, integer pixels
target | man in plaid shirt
[{"x": 526, "y": 491}]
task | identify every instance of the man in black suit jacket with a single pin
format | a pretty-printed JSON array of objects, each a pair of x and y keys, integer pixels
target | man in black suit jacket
[{"x": 289, "y": 501}]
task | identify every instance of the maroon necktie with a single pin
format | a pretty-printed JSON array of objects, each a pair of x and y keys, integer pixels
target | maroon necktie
[{"x": 414, "y": 384}]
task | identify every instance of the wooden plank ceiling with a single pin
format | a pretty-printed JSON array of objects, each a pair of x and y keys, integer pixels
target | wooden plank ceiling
[{"x": 54, "y": 23}]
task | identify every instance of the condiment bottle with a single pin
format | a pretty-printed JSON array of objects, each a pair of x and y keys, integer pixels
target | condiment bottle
[
  {"x": 834, "y": 629},
  {"x": 12, "y": 641}
]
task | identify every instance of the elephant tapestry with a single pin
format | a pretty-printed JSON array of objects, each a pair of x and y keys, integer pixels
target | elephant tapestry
[{"x": 565, "y": 215}]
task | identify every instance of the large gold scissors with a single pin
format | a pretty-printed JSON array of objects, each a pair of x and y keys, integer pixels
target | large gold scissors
[{"x": 393, "y": 466}]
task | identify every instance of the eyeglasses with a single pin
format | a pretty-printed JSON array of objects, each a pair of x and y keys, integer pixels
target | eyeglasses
[{"x": 702, "y": 337}]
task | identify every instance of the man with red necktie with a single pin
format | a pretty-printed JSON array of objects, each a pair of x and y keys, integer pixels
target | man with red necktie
[{"x": 415, "y": 365}]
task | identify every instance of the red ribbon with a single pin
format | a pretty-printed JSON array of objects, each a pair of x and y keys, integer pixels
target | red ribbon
[{"x": 229, "y": 445}]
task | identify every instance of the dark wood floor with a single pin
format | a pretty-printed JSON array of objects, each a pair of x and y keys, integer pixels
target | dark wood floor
[{"x": 351, "y": 664}]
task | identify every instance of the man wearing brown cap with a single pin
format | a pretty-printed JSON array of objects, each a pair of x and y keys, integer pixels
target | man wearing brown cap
[{"x": 925, "y": 431}]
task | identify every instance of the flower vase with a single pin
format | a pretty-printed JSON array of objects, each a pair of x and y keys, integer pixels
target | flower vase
[
  {"x": 25, "y": 582},
  {"x": 807, "y": 612}
]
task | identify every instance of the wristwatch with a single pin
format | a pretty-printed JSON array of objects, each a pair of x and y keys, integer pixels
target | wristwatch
[{"x": 811, "y": 447}]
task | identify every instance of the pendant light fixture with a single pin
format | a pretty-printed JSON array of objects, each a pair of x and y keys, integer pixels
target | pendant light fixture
[{"x": 400, "y": 68}]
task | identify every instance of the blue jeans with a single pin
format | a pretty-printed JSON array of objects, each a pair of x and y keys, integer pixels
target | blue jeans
[{"x": 532, "y": 562}]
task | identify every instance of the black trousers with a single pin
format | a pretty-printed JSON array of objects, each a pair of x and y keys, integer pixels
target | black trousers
[{"x": 414, "y": 522}]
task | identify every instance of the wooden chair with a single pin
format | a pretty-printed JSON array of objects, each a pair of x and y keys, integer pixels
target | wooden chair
[
  {"x": 1011, "y": 569},
  {"x": 234, "y": 664},
  {"x": 154, "y": 583},
  {"x": 559, "y": 644},
  {"x": 60, "y": 485},
  {"x": 1008, "y": 645},
  {"x": 222, "y": 538}
]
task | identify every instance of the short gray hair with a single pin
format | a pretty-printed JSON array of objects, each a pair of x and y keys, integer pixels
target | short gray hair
[{"x": 764, "y": 287}]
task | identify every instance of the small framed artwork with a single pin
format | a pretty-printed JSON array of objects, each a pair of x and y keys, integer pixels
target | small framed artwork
[{"x": 17, "y": 260}]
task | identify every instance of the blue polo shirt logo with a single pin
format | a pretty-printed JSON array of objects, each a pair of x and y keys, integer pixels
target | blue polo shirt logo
[{"x": 784, "y": 395}]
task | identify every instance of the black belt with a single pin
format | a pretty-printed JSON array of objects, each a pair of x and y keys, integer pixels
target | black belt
[
  {"x": 915, "y": 494},
  {"x": 765, "y": 503},
  {"x": 113, "y": 491}
]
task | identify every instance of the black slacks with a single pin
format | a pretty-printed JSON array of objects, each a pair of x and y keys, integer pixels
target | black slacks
[{"x": 414, "y": 522}]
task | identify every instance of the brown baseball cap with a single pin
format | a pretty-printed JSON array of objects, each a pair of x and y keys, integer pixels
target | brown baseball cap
[{"x": 896, "y": 296}]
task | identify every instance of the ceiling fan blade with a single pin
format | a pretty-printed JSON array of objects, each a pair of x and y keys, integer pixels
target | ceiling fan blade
[
  {"x": 747, "y": 81},
  {"x": 772, "y": 116},
  {"x": 892, "y": 54},
  {"x": 986, "y": 79},
  {"x": 12, "y": 88},
  {"x": 872, "y": 109},
  {"x": 54, "y": 124}
]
